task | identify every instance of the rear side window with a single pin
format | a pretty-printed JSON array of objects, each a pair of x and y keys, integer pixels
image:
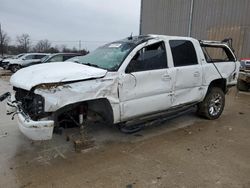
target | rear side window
[
  {"x": 217, "y": 54},
  {"x": 183, "y": 53},
  {"x": 151, "y": 57},
  {"x": 56, "y": 58},
  {"x": 66, "y": 57},
  {"x": 39, "y": 56},
  {"x": 29, "y": 57}
]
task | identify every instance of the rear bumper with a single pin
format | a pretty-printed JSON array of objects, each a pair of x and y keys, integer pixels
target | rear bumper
[{"x": 34, "y": 130}]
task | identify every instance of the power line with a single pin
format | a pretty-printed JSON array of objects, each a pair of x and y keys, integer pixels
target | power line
[{"x": 72, "y": 41}]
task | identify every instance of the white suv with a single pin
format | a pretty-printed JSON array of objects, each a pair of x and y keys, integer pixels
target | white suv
[
  {"x": 124, "y": 83},
  {"x": 16, "y": 64}
]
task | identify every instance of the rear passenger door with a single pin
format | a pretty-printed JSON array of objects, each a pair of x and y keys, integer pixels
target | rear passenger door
[
  {"x": 56, "y": 58},
  {"x": 188, "y": 72}
]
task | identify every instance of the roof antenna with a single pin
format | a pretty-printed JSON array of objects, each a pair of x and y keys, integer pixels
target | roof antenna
[{"x": 131, "y": 36}]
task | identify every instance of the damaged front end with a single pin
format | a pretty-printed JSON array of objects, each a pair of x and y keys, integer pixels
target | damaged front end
[{"x": 33, "y": 122}]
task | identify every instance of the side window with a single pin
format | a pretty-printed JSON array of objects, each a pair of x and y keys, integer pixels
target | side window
[
  {"x": 39, "y": 56},
  {"x": 217, "y": 54},
  {"x": 151, "y": 57},
  {"x": 66, "y": 57},
  {"x": 56, "y": 58},
  {"x": 29, "y": 57},
  {"x": 183, "y": 53}
]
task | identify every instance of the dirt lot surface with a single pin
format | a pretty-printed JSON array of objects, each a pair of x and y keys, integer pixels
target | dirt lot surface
[{"x": 184, "y": 152}]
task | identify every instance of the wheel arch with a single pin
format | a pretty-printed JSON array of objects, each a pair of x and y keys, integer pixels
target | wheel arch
[
  {"x": 14, "y": 64},
  {"x": 220, "y": 83},
  {"x": 100, "y": 106}
]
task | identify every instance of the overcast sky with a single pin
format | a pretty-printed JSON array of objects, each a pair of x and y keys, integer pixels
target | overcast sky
[{"x": 66, "y": 21}]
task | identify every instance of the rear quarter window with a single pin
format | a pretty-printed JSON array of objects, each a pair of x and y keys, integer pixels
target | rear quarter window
[
  {"x": 217, "y": 54},
  {"x": 183, "y": 53},
  {"x": 39, "y": 56},
  {"x": 66, "y": 57}
]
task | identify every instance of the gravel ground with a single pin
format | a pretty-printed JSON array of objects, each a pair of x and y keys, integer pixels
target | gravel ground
[{"x": 186, "y": 151}]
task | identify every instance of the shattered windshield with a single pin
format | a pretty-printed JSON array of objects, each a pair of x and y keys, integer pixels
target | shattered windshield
[{"x": 109, "y": 56}]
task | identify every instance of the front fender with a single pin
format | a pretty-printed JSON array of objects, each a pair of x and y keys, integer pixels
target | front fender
[{"x": 60, "y": 96}]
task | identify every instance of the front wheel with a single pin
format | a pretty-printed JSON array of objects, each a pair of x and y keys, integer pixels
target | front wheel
[
  {"x": 14, "y": 68},
  {"x": 213, "y": 104}
]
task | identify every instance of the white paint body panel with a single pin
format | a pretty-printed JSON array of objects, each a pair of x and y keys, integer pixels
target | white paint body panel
[
  {"x": 35, "y": 75},
  {"x": 83, "y": 91},
  {"x": 145, "y": 92},
  {"x": 188, "y": 85}
]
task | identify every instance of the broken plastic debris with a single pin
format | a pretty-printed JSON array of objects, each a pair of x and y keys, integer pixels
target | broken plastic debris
[{"x": 3, "y": 134}]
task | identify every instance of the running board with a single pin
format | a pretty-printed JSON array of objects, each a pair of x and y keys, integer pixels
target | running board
[{"x": 169, "y": 114}]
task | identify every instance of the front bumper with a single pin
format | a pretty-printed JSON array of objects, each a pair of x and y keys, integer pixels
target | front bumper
[
  {"x": 34, "y": 130},
  {"x": 4, "y": 65}
]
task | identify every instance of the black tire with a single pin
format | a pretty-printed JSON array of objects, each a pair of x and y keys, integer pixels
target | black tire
[
  {"x": 213, "y": 104},
  {"x": 130, "y": 129},
  {"x": 242, "y": 85},
  {"x": 14, "y": 68}
]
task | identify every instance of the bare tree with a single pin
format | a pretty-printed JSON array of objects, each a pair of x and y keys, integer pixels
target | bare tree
[
  {"x": 23, "y": 42},
  {"x": 4, "y": 41},
  {"x": 42, "y": 46}
]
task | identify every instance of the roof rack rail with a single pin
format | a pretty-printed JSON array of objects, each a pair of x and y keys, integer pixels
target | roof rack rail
[{"x": 228, "y": 41}]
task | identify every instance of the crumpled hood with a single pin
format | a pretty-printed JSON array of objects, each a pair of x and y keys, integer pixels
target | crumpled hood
[{"x": 44, "y": 73}]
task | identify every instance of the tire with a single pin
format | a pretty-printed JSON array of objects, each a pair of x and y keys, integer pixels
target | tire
[
  {"x": 14, "y": 68},
  {"x": 130, "y": 129},
  {"x": 242, "y": 85},
  {"x": 213, "y": 105}
]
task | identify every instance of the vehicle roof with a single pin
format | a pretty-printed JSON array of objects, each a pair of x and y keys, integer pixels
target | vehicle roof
[
  {"x": 169, "y": 37},
  {"x": 36, "y": 54},
  {"x": 62, "y": 53},
  {"x": 144, "y": 38}
]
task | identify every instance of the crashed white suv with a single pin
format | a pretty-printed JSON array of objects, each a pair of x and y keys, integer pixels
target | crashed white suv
[{"x": 124, "y": 82}]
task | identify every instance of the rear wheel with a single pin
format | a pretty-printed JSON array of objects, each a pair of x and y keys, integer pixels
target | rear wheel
[
  {"x": 14, "y": 68},
  {"x": 213, "y": 104},
  {"x": 242, "y": 85}
]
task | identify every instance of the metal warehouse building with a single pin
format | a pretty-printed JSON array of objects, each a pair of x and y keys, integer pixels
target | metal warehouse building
[{"x": 201, "y": 19}]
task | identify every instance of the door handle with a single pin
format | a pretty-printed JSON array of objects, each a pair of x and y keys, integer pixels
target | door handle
[
  {"x": 196, "y": 74},
  {"x": 166, "y": 77}
]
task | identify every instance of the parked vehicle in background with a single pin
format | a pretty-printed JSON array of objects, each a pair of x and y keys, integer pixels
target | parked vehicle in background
[
  {"x": 124, "y": 83},
  {"x": 5, "y": 61},
  {"x": 16, "y": 64},
  {"x": 59, "y": 57},
  {"x": 244, "y": 75}
]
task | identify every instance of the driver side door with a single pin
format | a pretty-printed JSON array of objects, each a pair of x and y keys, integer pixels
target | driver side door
[{"x": 146, "y": 86}]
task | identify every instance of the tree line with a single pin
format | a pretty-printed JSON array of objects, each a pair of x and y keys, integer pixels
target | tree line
[{"x": 23, "y": 45}]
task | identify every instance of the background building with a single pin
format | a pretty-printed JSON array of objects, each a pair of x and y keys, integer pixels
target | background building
[{"x": 201, "y": 19}]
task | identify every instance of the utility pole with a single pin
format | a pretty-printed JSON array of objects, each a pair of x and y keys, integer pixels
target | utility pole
[
  {"x": 1, "y": 40},
  {"x": 80, "y": 43},
  {"x": 190, "y": 18}
]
